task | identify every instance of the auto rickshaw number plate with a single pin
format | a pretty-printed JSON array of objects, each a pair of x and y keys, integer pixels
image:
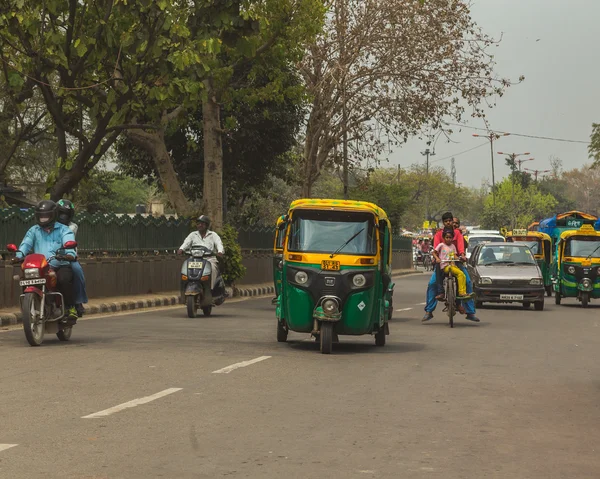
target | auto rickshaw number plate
[
  {"x": 195, "y": 264},
  {"x": 330, "y": 265}
]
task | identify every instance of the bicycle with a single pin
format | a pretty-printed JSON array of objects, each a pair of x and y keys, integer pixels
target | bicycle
[
  {"x": 427, "y": 262},
  {"x": 450, "y": 287}
]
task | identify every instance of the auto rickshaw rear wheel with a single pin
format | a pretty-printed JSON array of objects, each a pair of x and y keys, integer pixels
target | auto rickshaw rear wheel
[
  {"x": 557, "y": 298},
  {"x": 326, "y": 337},
  {"x": 549, "y": 291},
  {"x": 539, "y": 306},
  {"x": 282, "y": 332},
  {"x": 380, "y": 337},
  {"x": 207, "y": 310}
]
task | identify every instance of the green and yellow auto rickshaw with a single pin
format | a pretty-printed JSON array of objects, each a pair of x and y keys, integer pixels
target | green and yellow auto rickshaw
[
  {"x": 336, "y": 271},
  {"x": 278, "y": 254},
  {"x": 577, "y": 269},
  {"x": 540, "y": 245}
]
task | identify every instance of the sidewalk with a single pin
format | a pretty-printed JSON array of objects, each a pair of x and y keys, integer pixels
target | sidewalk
[{"x": 114, "y": 304}]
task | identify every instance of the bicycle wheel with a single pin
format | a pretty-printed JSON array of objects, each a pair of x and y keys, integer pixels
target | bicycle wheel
[{"x": 451, "y": 299}]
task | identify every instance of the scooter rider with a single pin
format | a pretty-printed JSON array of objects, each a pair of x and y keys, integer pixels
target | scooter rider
[
  {"x": 210, "y": 240},
  {"x": 66, "y": 212},
  {"x": 47, "y": 237}
]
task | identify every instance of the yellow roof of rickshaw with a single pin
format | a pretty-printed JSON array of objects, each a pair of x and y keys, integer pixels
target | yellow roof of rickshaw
[
  {"x": 322, "y": 204},
  {"x": 585, "y": 216},
  {"x": 533, "y": 234},
  {"x": 585, "y": 230}
]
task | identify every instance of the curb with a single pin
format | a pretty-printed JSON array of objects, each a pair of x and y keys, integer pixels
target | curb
[{"x": 12, "y": 319}]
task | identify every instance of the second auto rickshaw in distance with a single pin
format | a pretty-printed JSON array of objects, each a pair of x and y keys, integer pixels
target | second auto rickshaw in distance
[
  {"x": 540, "y": 245},
  {"x": 336, "y": 271}
]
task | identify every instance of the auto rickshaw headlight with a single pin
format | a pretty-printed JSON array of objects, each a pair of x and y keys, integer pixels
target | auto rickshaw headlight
[
  {"x": 330, "y": 306},
  {"x": 359, "y": 280},
  {"x": 571, "y": 270},
  {"x": 301, "y": 277},
  {"x": 536, "y": 282}
]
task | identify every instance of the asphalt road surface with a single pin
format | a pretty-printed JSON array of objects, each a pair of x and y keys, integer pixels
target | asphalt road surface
[{"x": 156, "y": 394}]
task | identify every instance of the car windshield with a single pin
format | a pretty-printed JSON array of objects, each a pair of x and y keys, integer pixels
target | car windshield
[
  {"x": 583, "y": 246},
  {"x": 319, "y": 231},
  {"x": 505, "y": 254},
  {"x": 475, "y": 240}
]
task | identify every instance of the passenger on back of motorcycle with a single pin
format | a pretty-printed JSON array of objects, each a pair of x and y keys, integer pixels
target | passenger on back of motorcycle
[
  {"x": 47, "y": 237},
  {"x": 210, "y": 240},
  {"x": 66, "y": 212}
]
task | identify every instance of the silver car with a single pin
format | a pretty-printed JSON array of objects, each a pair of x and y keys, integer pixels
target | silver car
[{"x": 506, "y": 273}]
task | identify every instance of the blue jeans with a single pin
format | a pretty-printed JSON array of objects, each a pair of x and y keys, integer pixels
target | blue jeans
[
  {"x": 432, "y": 292},
  {"x": 78, "y": 283}
]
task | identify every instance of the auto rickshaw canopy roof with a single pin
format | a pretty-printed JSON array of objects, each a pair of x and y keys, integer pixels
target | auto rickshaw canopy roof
[
  {"x": 347, "y": 205},
  {"x": 585, "y": 230},
  {"x": 529, "y": 234}
]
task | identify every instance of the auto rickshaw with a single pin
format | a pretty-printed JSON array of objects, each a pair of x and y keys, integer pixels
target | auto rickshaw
[
  {"x": 577, "y": 270},
  {"x": 278, "y": 254},
  {"x": 336, "y": 271},
  {"x": 540, "y": 245}
]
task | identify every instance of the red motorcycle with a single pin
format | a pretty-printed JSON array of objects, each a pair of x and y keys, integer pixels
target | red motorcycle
[{"x": 42, "y": 305}]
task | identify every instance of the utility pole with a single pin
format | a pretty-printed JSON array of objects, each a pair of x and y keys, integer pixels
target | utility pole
[
  {"x": 343, "y": 25},
  {"x": 491, "y": 137},
  {"x": 453, "y": 171},
  {"x": 427, "y": 153}
]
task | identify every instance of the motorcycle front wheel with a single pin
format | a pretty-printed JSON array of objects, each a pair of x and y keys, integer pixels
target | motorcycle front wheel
[{"x": 32, "y": 325}]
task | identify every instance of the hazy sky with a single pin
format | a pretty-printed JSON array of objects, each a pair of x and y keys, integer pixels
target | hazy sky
[{"x": 560, "y": 96}]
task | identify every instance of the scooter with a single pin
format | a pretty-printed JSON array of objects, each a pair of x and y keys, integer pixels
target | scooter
[
  {"x": 195, "y": 283},
  {"x": 42, "y": 305}
]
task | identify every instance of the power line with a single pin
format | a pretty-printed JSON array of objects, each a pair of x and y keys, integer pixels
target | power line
[
  {"x": 457, "y": 154},
  {"x": 522, "y": 135}
]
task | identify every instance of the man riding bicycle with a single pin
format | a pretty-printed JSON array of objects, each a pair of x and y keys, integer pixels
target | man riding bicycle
[{"x": 468, "y": 306}]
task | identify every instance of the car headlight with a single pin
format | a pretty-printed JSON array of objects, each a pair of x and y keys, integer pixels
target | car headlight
[
  {"x": 301, "y": 277},
  {"x": 536, "y": 282},
  {"x": 485, "y": 280},
  {"x": 359, "y": 280},
  {"x": 330, "y": 306},
  {"x": 32, "y": 273},
  {"x": 571, "y": 269}
]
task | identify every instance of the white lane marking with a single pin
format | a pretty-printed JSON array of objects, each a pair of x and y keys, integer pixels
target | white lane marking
[
  {"x": 420, "y": 304},
  {"x": 403, "y": 309},
  {"x": 4, "y": 447},
  {"x": 133, "y": 403},
  {"x": 243, "y": 364}
]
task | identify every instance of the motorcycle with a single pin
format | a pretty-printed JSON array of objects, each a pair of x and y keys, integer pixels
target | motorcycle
[
  {"x": 42, "y": 305},
  {"x": 195, "y": 282}
]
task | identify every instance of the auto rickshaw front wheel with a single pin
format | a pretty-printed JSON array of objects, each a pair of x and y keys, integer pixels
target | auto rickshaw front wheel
[
  {"x": 326, "y": 337},
  {"x": 557, "y": 298},
  {"x": 585, "y": 299},
  {"x": 282, "y": 332}
]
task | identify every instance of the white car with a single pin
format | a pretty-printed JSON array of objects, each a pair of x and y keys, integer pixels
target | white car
[{"x": 479, "y": 237}]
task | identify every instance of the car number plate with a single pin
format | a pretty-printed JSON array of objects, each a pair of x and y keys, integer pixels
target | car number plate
[
  {"x": 330, "y": 265},
  {"x": 195, "y": 264},
  {"x": 29, "y": 282},
  {"x": 512, "y": 297}
]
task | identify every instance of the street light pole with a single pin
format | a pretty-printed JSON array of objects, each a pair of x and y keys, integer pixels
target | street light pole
[
  {"x": 427, "y": 153},
  {"x": 491, "y": 137}
]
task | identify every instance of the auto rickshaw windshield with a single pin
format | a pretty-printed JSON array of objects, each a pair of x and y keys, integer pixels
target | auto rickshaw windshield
[
  {"x": 534, "y": 246},
  {"x": 582, "y": 246},
  {"x": 320, "y": 231}
]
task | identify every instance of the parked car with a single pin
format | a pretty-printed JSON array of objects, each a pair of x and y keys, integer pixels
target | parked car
[{"x": 506, "y": 273}]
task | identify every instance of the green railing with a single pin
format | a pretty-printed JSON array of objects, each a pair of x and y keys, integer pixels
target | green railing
[
  {"x": 102, "y": 233},
  {"x": 401, "y": 243}
]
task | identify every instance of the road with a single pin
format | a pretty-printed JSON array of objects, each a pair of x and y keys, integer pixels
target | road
[{"x": 151, "y": 395}]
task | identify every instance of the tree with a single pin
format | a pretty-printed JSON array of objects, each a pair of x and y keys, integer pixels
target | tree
[
  {"x": 383, "y": 69},
  {"x": 582, "y": 186},
  {"x": 594, "y": 147},
  {"x": 557, "y": 186},
  {"x": 516, "y": 207}
]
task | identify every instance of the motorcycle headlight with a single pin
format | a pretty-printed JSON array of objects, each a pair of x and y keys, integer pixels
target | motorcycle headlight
[
  {"x": 301, "y": 277},
  {"x": 485, "y": 280},
  {"x": 359, "y": 280},
  {"x": 32, "y": 273},
  {"x": 536, "y": 282},
  {"x": 330, "y": 306},
  {"x": 571, "y": 269}
]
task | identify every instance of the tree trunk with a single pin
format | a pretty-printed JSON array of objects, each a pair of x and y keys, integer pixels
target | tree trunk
[
  {"x": 154, "y": 145},
  {"x": 213, "y": 157}
]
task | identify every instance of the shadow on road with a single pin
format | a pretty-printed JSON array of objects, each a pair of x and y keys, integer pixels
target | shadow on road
[{"x": 356, "y": 348}]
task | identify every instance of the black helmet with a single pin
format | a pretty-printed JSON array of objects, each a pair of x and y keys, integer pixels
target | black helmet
[
  {"x": 66, "y": 211},
  {"x": 45, "y": 213},
  {"x": 204, "y": 219}
]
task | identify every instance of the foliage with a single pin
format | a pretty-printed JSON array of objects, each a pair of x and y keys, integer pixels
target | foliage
[
  {"x": 594, "y": 147},
  {"x": 582, "y": 186},
  {"x": 382, "y": 70},
  {"x": 515, "y": 206},
  {"x": 231, "y": 264}
]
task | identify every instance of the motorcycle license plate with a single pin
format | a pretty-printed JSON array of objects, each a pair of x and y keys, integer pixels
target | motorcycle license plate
[
  {"x": 512, "y": 297},
  {"x": 29, "y": 282},
  {"x": 195, "y": 264},
  {"x": 330, "y": 265}
]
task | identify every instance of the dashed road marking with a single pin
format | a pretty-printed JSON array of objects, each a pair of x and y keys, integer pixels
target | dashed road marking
[
  {"x": 420, "y": 304},
  {"x": 132, "y": 403},
  {"x": 4, "y": 447},
  {"x": 243, "y": 364},
  {"x": 403, "y": 309}
]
